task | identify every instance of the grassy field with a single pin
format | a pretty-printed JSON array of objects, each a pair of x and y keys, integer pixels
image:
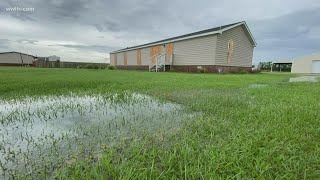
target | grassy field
[{"x": 241, "y": 126}]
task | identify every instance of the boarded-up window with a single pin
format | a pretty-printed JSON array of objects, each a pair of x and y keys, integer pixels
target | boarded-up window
[
  {"x": 169, "y": 52},
  {"x": 230, "y": 50},
  {"x": 155, "y": 51},
  {"x": 125, "y": 58},
  {"x": 139, "y": 57},
  {"x": 115, "y": 59}
]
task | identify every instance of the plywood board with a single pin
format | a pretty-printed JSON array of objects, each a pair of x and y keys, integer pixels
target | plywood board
[
  {"x": 154, "y": 51},
  {"x": 115, "y": 59},
  {"x": 230, "y": 50},
  {"x": 169, "y": 52},
  {"x": 125, "y": 58},
  {"x": 139, "y": 57}
]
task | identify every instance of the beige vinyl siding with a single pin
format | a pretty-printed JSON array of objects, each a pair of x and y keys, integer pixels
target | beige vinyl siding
[
  {"x": 196, "y": 51},
  {"x": 120, "y": 58},
  {"x": 145, "y": 55},
  {"x": 242, "y": 48},
  {"x": 14, "y": 58},
  {"x": 304, "y": 64},
  {"x": 132, "y": 57},
  {"x": 111, "y": 59}
]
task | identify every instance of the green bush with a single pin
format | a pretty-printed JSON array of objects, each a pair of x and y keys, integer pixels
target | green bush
[
  {"x": 110, "y": 67},
  {"x": 95, "y": 66},
  {"x": 89, "y": 66},
  {"x": 255, "y": 71},
  {"x": 203, "y": 70},
  {"x": 243, "y": 71}
]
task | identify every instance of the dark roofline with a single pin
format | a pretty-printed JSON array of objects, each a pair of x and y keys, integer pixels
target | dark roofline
[
  {"x": 211, "y": 30},
  {"x": 17, "y": 53}
]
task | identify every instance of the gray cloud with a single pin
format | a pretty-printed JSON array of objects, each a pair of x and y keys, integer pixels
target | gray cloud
[
  {"x": 282, "y": 28},
  {"x": 4, "y": 43},
  {"x": 26, "y": 41},
  {"x": 97, "y": 48},
  {"x": 292, "y": 34}
]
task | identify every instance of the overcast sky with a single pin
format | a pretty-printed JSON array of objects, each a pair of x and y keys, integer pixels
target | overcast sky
[{"x": 87, "y": 30}]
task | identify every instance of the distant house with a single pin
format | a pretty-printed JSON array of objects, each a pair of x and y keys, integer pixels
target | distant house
[
  {"x": 16, "y": 59},
  {"x": 224, "y": 48},
  {"x": 49, "y": 58},
  {"x": 306, "y": 65},
  {"x": 54, "y": 58}
]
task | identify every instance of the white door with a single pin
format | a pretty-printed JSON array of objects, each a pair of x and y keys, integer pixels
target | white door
[{"x": 316, "y": 66}]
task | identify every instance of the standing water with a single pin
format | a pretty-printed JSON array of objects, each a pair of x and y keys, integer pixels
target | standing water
[{"x": 39, "y": 134}]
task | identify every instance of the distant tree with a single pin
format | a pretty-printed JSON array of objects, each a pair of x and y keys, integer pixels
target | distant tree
[{"x": 265, "y": 65}]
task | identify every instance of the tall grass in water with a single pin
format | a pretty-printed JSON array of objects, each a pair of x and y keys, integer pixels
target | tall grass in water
[{"x": 244, "y": 131}]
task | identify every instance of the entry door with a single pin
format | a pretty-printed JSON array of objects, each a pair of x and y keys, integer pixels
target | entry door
[{"x": 316, "y": 66}]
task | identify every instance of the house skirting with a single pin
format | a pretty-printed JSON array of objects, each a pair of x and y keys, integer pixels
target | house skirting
[
  {"x": 210, "y": 68},
  {"x": 193, "y": 68},
  {"x": 13, "y": 64},
  {"x": 132, "y": 67}
]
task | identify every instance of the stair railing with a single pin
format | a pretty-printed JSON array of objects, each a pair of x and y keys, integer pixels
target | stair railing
[{"x": 150, "y": 61}]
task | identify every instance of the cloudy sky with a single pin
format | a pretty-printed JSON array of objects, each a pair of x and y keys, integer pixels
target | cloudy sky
[{"x": 86, "y": 30}]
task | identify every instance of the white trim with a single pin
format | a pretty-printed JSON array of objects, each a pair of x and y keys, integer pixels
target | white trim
[
  {"x": 169, "y": 41},
  {"x": 254, "y": 41},
  {"x": 190, "y": 37}
]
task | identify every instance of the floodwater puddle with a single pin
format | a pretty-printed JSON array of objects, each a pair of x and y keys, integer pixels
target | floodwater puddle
[
  {"x": 304, "y": 79},
  {"x": 257, "y": 85},
  {"x": 41, "y": 132}
]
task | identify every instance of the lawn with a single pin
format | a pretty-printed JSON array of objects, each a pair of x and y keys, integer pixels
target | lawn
[{"x": 242, "y": 125}]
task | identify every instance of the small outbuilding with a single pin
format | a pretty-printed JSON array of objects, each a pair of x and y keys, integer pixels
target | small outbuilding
[
  {"x": 16, "y": 59},
  {"x": 308, "y": 64},
  {"x": 305, "y": 65}
]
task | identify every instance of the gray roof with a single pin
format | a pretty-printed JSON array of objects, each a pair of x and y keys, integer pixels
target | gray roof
[
  {"x": 16, "y": 52},
  {"x": 211, "y": 30}
]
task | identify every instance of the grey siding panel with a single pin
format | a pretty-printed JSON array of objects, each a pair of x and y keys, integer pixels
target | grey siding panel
[
  {"x": 120, "y": 59},
  {"x": 145, "y": 55},
  {"x": 243, "y": 48},
  {"x": 26, "y": 59},
  {"x": 132, "y": 57},
  {"x": 197, "y": 51},
  {"x": 14, "y": 58},
  {"x": 111, "y": 59}
]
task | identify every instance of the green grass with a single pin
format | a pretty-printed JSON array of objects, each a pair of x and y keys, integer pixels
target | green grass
[{"x": 260, "y": 132}]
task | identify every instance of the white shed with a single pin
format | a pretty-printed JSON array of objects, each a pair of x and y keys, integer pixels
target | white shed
[{"x": 308, "y": 64}]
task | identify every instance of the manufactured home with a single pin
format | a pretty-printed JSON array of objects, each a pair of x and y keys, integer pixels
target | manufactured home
[
  {"x": 16, "y": 59},
  {"x": 220, "y": 49}
]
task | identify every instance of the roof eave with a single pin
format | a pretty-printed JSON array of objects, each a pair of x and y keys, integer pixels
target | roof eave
[
  {"x": 190, "y": 37},
  {"x": 169, "y": 41},
  {"x": 247, "y": 28}
]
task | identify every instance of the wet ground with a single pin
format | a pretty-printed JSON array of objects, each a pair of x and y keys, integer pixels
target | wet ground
[
  {"x": 305, "y": 79},
  {"x": 44, "y": 132}
]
